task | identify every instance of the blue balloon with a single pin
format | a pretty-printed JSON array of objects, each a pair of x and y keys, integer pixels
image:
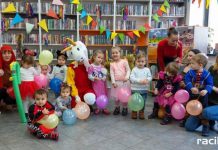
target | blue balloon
[
  {"x": 69, "y": 117},
  {"x": 55, "y": 85}
]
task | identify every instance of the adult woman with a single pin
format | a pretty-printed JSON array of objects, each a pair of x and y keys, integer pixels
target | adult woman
[
  {"x": 6, "y": 57},
  {"x": 169, "y": 49}
]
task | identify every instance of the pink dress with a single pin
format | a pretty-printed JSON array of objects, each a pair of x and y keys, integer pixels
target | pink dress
[
  {"x": 165, "y": 85},
  {"x": 99, "y": 86}
]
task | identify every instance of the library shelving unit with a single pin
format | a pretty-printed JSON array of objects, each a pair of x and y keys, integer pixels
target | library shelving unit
[{"x": 71, "y": 25}]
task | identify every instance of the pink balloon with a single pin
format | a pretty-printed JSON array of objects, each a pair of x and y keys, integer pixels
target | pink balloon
[
  {"x": 178, "y": 111},
  {"x": 41, "y": 80},
  {"x": 181, "y": 96},
  {"x": 102, "y": 101},
  {"x": 124, "y": 93}
]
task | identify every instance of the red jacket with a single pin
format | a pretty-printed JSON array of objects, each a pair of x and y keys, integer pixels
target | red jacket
[{"x": 166, "y": 51}]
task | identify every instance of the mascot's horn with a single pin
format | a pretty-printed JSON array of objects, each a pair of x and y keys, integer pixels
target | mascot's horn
[
  {"x": 66, "y": 49},
  {"x": 71, "y": 41},
  {"x": 69, "y": 47}
]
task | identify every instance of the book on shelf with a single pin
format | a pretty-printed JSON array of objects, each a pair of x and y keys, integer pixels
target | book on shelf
[
  {"x": 108, "y": 24},
  {"x": 95, "y": 40},
  {"x": 132, "y": 9},
  {"x": 99, "y": 8},
  {"x": 26, "y": 38},
  {"x": 174, "y": 10},
  {"x": 67, "y": 24},
  {"x": 126, "y": 25},
  {"x": 55, "y": 39}
]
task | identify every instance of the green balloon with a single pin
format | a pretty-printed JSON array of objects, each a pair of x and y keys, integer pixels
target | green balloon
[
  {"x": 45, "y": 57},
  {"x": 136, "y": 102}
]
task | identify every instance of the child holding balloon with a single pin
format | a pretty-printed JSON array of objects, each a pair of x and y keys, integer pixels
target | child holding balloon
[
  {"x": 97, "y": 74},
  {"x": 27, "y": 72},
  {"x": 167, "y": 85},
  {"x": 42, "y": 110},
  {"x": 140, "y": 78},
  {"x": 119, "y": 72},
  {"x": 63, "y": 102},
  {"x": 60, "y": 70},
  {"x": 199, "y": 83}
]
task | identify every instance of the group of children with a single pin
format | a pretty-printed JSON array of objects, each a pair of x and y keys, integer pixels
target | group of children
[{"x": 197, "y": 80}]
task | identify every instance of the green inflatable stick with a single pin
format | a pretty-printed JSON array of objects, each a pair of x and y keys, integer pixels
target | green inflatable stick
[{"x": 15, "y": 69}]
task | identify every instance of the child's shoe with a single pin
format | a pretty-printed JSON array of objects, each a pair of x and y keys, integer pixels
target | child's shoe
[
  {"x": 141, "y": 115},
  {"x": 205, "y": 131},
  {"x": 154, "y": 114},
  {"x": 116, "y": 111},
  {"x": 106, "y": 111},
  {"x": 54, "y": 136},
  {"x": 166, "y": 120},
  {"x": 134, "y": 115},
  {"x": 97, "y": 111},
  {"x": 182, "y": 123},
  {"x": 124, "y": 112}
]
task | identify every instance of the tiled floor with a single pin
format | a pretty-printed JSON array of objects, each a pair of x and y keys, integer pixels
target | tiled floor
[{"x": 103, "y": 133}]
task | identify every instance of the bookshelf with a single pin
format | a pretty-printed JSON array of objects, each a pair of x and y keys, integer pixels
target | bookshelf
[{"x": 71, "y": 25}]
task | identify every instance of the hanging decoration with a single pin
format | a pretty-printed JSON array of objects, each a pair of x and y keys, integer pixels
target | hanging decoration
[
  {"x": 29, "y": 10},
  {"x": 166, "y": 3},
  {"x": 17, "y": 19},
  {"x": 75, "y": 2},
  {"x": 79, "y": 7},
  {"x": 57, "y": 2},
  {"x": 130, "y": 34},
  {"x": 136, "y": 32},
  {"x": 102, "y": 29},
  {"x": 160, "y": 13},
  {"x": 83, "y": 14},
  {"x": 94, "y": 24},
  {"x": 121, "y": 36},
  {"x": 207, "y": 4},
  {"x": 43, "y": 25},
  {"x": 163, "y": 9},
  {"x": 108, "y": 34},
  {"x": 156, "y": 18},
  {"x": 142, "y": 29},
  {"x": 10, "y": 8},
  {"x": 89, "y": 20},
  {"x": 113, "y": 35},
  {"x": 51, "y": 13},
  {"x": 61, "y": 12},
  {"x": 29, "y": 27}
]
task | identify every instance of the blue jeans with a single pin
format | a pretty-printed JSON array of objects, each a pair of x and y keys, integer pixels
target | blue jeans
[
  {"x": 192, "y": 123},
  {"x": 143, "y": 93},
  {"x": 211, "y": 113}
]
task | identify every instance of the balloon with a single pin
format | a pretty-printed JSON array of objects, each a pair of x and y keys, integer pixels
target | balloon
[
  {"x": 10, "y": 92},
  {"x": 178, "y": 111},
  {"x": 82, "y": 110},
  {"x": 89, "y": 98},
  {"x": 161, "y": 112},
  {"x": 15, "y": 69},
  {"x": 194, "y": 107},
  {"x": 45, "y": 57},
  {"x": 136, "y": 102},
  {"x": 102, "y": 101},
  {"x": 41, "y": 80},
  {"x": 55, "y": 85},
  {"x": 50, "y": 122},
  {"x": 181, "y": 96},
  {"x": 69, "y": 117},
  {"x": 124, "y": 94}
]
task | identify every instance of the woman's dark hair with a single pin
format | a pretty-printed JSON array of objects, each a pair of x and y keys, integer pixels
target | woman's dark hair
[
  {"x": 171, "y": 31},
  {"x": 64, "y": 55},
  {"x": 195, "y": 51}
]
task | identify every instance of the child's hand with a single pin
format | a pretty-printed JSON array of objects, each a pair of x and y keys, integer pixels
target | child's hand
[
  {"x": 144, "y": 81},
  {"x": 167, "y": 95},
  {"x": 96, "y": 79},
  {"x": 77, "y": 99},
  {"x": 45, "y": 111},
  {"x": 126, "y": 79},
  {"x": 203, "y": 92},
  {"x": 114, "y": 85},
  {"x": 1, "y": 72},
  {"x": 195, "y": 90},
  {"x": 155, "y": 91},
  {"x": 182, "y": 84},
  {"x": 64, "y": 108},
  {"x": 215, "y": 89}
]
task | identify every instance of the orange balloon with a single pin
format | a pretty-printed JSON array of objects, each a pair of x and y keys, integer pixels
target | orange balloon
[
  {"x": 161, "y": 113},
  {"x": 194, "y": 107},
  {"x": 82, "y": 110}
]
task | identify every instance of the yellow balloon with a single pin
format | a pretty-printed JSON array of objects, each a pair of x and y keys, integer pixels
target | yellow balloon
[
  {"x": 50, "y": 121},
  {"x": 82, "y": 110},
  {"x": 45, "y": 57}
]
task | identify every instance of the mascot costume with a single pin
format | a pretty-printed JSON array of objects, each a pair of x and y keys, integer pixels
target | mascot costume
[{"x": 77, "y": 73}]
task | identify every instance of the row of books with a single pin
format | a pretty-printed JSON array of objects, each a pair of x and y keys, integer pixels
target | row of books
[
  {"x": 20, "y": 25},
  {"x": 49, "y": 39},
  {"x": 67, "y": 8},
  {"x": 174, "y": 10},
  {"x": 26, "y": 38},
  {"x": 127, "y": 40},
  {"x": 108, "y": 24},
  {"x": 165, "y": 23},
  {"x": 66, "y": 24},
  {"x": 96, "y": 39},
  {"x": 132, "y": 9},
  {"x": 126, "y": 25},
  {"x": 170, "y": 0}
]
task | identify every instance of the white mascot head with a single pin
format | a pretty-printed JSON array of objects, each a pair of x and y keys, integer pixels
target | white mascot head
[{"x": 77, "y": 51}]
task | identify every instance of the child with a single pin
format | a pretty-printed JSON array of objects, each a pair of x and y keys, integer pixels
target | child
[
  {"x": 167, "y": 85},
  {"x": 28, "y": 85},
  {"x": 97, "y": 74},
  {"x": 60, "y": 70},
  {"x": 140, "y": 78},
  {"x": 41, "y": 108},
  {"x": 119, "y": 71},
  {"x": 199, "y": 83},
  {"x": 63, "y": 102},
  {"x": 45, "y": 69},
  {"x": 6, "y": 58}
]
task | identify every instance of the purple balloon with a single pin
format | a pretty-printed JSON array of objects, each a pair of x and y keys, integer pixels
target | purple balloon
[
  {"x": 178, "y": 111},
  {"x": 181, "y": 96},
  {"x": 102, "y": 101}
]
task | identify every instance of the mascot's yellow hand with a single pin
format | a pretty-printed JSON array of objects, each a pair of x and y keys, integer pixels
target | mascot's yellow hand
[{"x": 11, "y": 79}]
